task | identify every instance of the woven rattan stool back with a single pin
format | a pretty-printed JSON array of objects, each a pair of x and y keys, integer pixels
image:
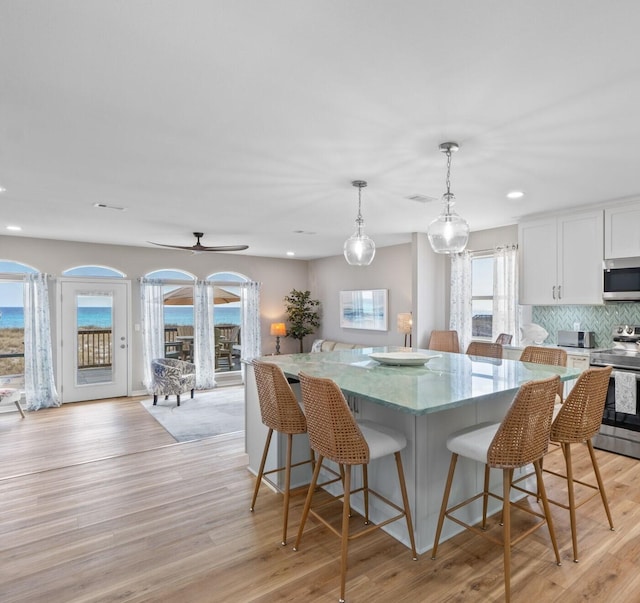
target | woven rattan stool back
[
  {"x": 279, "y": 408},
  {"x": 580, "y": 417},
  {"x": 333, "y": 432},
  {"x": 523, "y": 435}
]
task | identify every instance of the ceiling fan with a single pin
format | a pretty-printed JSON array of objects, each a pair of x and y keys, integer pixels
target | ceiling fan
[{"x": 198, "y": 247}]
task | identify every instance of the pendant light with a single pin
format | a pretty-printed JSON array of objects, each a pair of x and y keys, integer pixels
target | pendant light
[
  {"x": 359, "y": 249},
  {"x": 448, "y": 233}
]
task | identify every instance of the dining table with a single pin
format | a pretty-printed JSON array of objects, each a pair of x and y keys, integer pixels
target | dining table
[{"x": 426, "y": 395}]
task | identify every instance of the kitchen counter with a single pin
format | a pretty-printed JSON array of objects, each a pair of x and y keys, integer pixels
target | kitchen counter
[{"x": 426, "y": 403}]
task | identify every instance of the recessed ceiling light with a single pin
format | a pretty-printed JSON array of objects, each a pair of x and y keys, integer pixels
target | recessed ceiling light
[
  {"x": 3, "y": 189},
  {"x": 515, "y": 195},
  {"x": 291, "y": 253},
  {"x": 14, "y": 228}
]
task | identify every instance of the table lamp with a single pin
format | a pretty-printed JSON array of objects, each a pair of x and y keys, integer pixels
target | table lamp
[
  {"x": 278, "y": 330},
  {"x": 405, "y": 323}
]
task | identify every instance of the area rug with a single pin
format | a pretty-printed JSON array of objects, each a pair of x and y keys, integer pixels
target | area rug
[{"x": 208, "y": 414}]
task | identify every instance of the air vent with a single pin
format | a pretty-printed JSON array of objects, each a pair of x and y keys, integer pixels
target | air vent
[
  {"x": 421, "y": 198},
  {"x": 105, "y": 206}
]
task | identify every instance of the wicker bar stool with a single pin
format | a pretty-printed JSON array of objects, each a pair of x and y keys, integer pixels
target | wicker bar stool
[
  {"x": 520, "y": 439},
  {"x": 577, "y": 421},
  {"x": 280, "y": 412},
  {"x": 542, "y": 355},
  {"x": 485, "y": 348},
  {"x": 335, "y": 435},
  {"x": 444, "y": 341}
]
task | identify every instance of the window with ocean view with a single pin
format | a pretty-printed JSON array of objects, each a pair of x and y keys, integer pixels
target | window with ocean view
[{"x": 12, "y": 323}]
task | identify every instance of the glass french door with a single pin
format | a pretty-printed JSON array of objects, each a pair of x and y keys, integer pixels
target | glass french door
[{"x": 94, "y": 347}]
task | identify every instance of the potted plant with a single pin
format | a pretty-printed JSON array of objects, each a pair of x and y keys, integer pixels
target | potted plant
[{"x": 302, "y": 314}]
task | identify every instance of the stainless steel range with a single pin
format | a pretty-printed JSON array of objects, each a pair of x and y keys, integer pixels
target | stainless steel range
[{"x": 620, "y": 429}]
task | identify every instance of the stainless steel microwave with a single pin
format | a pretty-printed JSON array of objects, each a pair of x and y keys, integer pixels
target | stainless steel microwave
[{"x": 621, "y": 280}]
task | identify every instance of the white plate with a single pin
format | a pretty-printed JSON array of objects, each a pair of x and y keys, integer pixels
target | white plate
[{"x": 403, "y": 358}]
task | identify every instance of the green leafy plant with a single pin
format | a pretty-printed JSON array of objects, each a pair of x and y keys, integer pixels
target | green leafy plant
[{"x": 302, "y": 313}]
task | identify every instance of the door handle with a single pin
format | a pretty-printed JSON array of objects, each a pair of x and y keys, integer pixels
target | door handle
[
  {"x": 553, "y": 293},
  {"x": 559, "y": 291}
]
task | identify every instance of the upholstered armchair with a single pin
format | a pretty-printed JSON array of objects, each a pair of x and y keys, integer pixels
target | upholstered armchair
[{"x": 172, "y": 377}]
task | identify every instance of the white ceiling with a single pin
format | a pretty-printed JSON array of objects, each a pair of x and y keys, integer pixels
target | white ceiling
[{"x": 248, "y": 119}]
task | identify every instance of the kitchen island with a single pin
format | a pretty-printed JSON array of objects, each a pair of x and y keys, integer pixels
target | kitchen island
[{"x": 426, "y": 402}]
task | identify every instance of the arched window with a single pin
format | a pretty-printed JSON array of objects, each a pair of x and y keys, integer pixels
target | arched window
[
  {"x": 94, "y": 271},
  {"x": 227, "y": 297}
]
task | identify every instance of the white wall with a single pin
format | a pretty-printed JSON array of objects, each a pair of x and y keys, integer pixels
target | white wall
[{"x": 277, "y": 276}]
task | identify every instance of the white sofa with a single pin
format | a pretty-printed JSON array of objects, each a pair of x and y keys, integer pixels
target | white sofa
[{"x": 326, "y": 345}]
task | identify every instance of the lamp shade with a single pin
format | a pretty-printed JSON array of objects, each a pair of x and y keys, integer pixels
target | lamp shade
[
  {"x": 405, "y": 322},
  {"x": 278, "y": 329}
]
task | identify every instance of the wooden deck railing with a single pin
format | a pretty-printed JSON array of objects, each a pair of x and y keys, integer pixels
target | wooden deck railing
[{"x": 95, "y": 346}]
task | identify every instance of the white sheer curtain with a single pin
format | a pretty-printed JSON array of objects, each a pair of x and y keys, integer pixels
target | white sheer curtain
[
  {"x": 506, "y": 314},
  {"x": 251, "y": 344},
  {"x": 40, "y": 388},
  {"x": 152, "y": 319},
  {"x": 460, "y": 305},
  {"x": 203, "y": 341}
]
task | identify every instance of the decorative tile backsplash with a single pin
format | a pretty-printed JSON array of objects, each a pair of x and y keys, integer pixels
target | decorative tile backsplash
[{"x": 599, "y": 319}]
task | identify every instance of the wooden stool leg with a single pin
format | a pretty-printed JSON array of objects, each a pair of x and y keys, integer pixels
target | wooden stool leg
[
  {"x": 365, "y": 483},
  {"x": 287, "y": 486},
  {"x": 307, "y": 502},
  {"x": 507, "y": 475},
  {"x": 345, "y": 531},
  {"x": 485, "y": 497},
  {"x": 603, "y": 494},
  {"x": 542, "y": 492},
  {"x": 445, "y": 501},
  {"x": 261, "y": 470},
  {"x": 405, "y": 502},
  {"x": 566, "y": 449}
]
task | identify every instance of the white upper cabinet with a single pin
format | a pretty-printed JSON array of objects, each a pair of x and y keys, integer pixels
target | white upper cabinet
[
  {"x": 561, "y": 259},
  {"x": 622, "y": 231}
]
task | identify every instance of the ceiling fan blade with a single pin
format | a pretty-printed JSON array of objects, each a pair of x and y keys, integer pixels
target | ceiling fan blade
[
  {"x": 220, "y": 248},
  {"x": 188, "y": 248},
  {"x": 197, "y": 248}
]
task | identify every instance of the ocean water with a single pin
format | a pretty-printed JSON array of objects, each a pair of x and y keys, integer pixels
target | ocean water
[{"x": 11, "y": 318}]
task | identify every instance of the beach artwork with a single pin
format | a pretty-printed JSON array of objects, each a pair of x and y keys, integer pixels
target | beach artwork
[{"x": 365, "y": 309}]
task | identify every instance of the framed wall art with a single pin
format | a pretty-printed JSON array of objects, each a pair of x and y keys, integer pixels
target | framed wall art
[{"x": 365, "y": 309}]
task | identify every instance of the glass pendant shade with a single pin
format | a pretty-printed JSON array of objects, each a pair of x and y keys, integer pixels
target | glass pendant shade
[
  {"x": 359, "y": 249},
  {"x": 448, "y": 233}
]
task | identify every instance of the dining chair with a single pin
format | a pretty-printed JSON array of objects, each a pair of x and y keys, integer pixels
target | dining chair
[
  {"x": 281, "y": 412},
  {"x": 335, "y": 435},
  {"x": 522, "y": 438},
  {"x": 484, "y": 348},
  {"x": 577, "y": 420},
  {"x": 504, "y": 338},
  {"x": 444, "y": 341}
]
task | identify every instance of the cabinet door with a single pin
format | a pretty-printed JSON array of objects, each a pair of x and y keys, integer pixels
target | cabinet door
[
  {"x": 580, "y": 240},
  {"x": 621, "y": 228},
  {"x": 538, "y": 262}
]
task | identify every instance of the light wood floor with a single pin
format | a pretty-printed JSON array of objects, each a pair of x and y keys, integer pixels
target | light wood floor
[{"x": 98, "y": 504}]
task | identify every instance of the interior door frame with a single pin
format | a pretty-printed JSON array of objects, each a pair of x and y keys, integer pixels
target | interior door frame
[{"x": 88, "y": 281}]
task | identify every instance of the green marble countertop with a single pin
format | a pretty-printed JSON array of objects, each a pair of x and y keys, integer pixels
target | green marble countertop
[{"x": 447, "y": 381}]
